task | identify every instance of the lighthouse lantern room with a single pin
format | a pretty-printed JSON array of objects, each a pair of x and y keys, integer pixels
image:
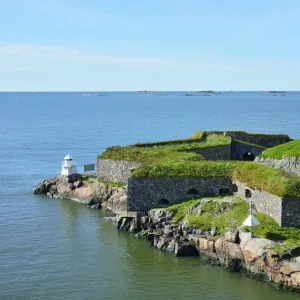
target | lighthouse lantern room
[{"x": 68, "y": 167}]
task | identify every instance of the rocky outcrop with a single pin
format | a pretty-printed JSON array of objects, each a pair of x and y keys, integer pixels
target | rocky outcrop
[
  {"x": 93, "y": 192},
  {"x": 235, "y": 250},
  {"x": 287, "y": 163}
]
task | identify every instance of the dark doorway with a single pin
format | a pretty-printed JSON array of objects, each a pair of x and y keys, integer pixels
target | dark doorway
[
  {"x": 248, "y": 193},
  {"x": 248, "y": 156},
  {"x": 163, "y": 202}
]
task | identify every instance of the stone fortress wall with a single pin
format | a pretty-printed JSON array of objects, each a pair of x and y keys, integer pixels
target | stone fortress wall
[
  {"x": 285, "y": 211},
  {"x": 264, "y": 140},
  {"x": 114, "y": 170},
  {"x": 146, "y": 193},
  {"x": 239, "y": 149}
]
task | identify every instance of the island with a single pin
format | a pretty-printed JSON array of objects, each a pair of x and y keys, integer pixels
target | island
[{"x": 191, "y": 197}]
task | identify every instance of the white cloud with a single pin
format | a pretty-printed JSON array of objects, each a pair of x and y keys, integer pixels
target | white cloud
[{"x": 70, "y": 54}]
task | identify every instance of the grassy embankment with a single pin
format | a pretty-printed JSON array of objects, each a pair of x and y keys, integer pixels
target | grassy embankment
[
  {"x": 288, "y": 149},
  {"x": 231, "y": 216},
  {"x": 166, "y": 151}
]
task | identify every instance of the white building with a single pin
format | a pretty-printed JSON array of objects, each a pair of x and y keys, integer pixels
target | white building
[{"x": 68, "y": 167}]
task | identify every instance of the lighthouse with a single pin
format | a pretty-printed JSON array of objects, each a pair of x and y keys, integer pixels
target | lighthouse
[{"x": 68, "y": 167}]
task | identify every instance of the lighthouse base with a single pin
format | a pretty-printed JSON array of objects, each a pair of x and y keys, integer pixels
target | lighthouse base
[{"x": 71, "y": 178}]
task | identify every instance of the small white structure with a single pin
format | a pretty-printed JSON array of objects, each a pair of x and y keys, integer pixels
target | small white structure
[
  {"x": 68, "y": 167},
  {"x": 251, "y": 220}
]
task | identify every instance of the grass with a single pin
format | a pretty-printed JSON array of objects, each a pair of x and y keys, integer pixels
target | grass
[
  {"x": 221, "y": 216},
  {"x": 185, "y": 169},
  {"x": 167, "y": 152},
  {"x": 148, "y": 155},
  {"x": 290, "y": 149},
  {"x": 271, "y": 180},
  {"x": 232, "y": 215},
  {"x": 112, "y": 184},
  {"x": 87, "y": 176}
]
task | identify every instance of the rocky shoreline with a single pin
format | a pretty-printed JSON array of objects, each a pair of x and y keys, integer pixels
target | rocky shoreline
[
  {"x": 235, "y": 250},
  {"x": 90, "y": 192}
]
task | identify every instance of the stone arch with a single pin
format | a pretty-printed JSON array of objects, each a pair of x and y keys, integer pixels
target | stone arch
[
  {"x": 163, "y": 202},
  {"x": 223, "y": 191},
  {"x": 248, "y": 193},
  {"x": 248, "y": 156},
  {"x": 192, "y": 192}
]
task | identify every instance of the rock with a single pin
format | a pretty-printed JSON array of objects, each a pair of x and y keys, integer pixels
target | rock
[
  {"x": 213, "y": 231},
  {"x": 185, "y": 248},
  {"x": 171, "y": 245},
  {"x": 96, "y": 206},
  {"x": 253, "y": 248},
  {"x": 78, "y": 184},
  {"x": 53, "y": 189},
  {"x": 112, "y": 198},
  {"x": 160, "y": 215},
  {"x": 133, "y": 226},
  {"x": 232, "y": 236},
  {"x": 150, "y": 236},
  {"x": 227, "y": 200},
  {"x": 229, "y": 254},
  {"x": 288, "y": 267},
  {"x": 162, "y": 242},
  {"x": 297, "y": 260},
  {"x": 289, "y": 164},
  {"x": 124, "y": 223}
]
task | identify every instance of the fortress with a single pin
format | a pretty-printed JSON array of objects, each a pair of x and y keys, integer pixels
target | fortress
[{"x": 263, "y": 168}]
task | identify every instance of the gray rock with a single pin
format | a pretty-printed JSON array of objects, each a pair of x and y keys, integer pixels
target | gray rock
[
  {"x": 286, "y": 163},
  {"x": 232, "y": 236},
  {"x": 160, "y": 215},
  {"x": 96, "y": 206},
  {"x": 78, "y": 184}
]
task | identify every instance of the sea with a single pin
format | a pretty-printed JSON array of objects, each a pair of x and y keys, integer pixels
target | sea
[{"x": 59, "y": 249}]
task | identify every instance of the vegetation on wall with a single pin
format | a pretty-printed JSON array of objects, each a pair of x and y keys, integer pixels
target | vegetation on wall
[
  {"x": 288, "y": 149},
  {"x": 166, "y": 151},
  {"x": 262, "y": 177},
  {"x": 185, "y": 169},
  {"x": 271, "y": 180}
]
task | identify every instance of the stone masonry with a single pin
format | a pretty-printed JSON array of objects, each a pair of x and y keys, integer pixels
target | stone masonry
[
  {"x": 146, "y": 193},
  {"x": 114, "y": 170}
]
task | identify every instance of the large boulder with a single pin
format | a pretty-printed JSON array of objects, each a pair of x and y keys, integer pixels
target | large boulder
[
  {"x": 160, "y": 215},
  {"x": 229, "y": 254}
]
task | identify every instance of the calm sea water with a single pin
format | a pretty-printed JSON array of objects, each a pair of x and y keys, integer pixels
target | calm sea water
[{"x": 58, "y": 249}]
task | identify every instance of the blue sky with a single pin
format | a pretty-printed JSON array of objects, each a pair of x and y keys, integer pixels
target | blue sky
[{"x": 86, "y": 45}]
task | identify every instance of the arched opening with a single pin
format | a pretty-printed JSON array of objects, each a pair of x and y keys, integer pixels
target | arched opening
[
  {"x": 248, "y": 193},
  {"x": 132, "y": 169},
  {"x": 248, "y": 156},
  {"x": 235, "y": 188},
  {"x": 224, "y": 191},
  {"x": 163, "y": 202},
  {"x": 192, "y": 192}
]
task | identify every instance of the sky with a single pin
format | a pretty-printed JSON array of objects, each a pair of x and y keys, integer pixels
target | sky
[{"x": 129, "y": 45}]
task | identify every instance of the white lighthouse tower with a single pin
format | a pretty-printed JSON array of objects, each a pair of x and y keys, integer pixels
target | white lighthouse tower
[{"x": 68, "y": 167}]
